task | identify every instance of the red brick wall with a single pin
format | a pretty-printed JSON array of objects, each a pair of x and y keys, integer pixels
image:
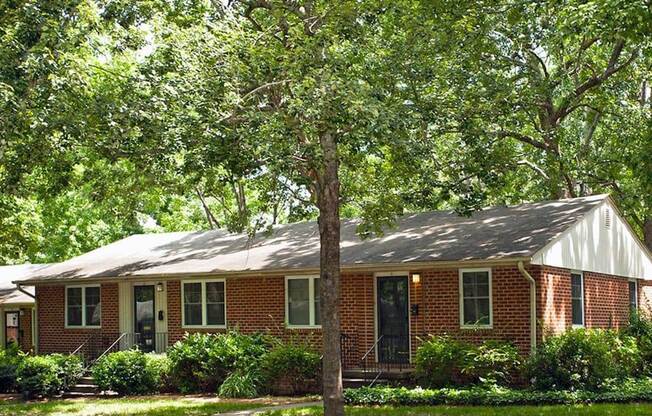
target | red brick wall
[
  {"x": 25, "y": 324},
  {"x": 606, "y": 300},
  {"x": 53, "y": 335}
]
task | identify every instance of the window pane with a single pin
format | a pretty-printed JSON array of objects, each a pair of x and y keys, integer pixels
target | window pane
[
  {"x": 192, "y": 303},
  {"x": 215, "y": 292},
  {"x": 74, "y": 312},
  {"x": 192, "y": 314},
  {"x": 215, "y": 314},
  {"x": 93, "y": 305},
  {"x": 632, "y": 295},
  {"x": 576, "y": 286},
  {"x": 317, "y": 290},
  {"x": 578, "y": 319},
  {"x": 215, "y": 303},
  {"x": 482, "y": 311},
  {"x": 470, "y": 317},
  {"x": 192, "y": 293},
  {"x": 298, "y": 302}
]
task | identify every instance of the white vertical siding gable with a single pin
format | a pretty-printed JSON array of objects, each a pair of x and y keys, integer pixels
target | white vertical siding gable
[{"x": 600, "y": 242}]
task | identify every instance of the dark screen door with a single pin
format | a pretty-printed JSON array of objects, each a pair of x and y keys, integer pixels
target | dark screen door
[
  {"x": 393, "y": 320},
  {"x": 144, "y": 311},
  {"x": 12, "y": 325}
]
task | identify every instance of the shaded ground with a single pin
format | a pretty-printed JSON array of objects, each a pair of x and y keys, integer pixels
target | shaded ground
[
  {"x": 165, "y": 405},
  {"x": 579, "y": 410}
]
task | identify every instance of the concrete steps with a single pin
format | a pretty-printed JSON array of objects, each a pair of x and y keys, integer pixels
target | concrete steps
[{"x": 85, "y": 387}]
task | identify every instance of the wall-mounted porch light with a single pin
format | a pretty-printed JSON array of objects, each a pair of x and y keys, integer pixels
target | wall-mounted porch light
[
  {"x": 416, "y": 277},
  {"x": 160, "y": 287}
]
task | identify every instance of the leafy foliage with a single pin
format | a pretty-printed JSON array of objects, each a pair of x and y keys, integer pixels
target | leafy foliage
[
  {"x": 70, "y": 369},
  {"x": 39, "y": 376},
  {"x": 626, "y": 392},
  {"x": 128, "y": 372},
  {"x": 240, "y": 384},
  {"x": 583, "y": 359},
  {"x": 202, "y": 362},
  {"x": 640, "y": 327},
  {"x": 10, "y": 358},
  {"x": 290, "y": 368},
  {"x": 493, "y": 362}
]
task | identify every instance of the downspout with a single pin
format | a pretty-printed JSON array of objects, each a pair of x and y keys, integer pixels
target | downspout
[
  {"x": 33, "y": 317},
  {"x": 533, "y": 306}
]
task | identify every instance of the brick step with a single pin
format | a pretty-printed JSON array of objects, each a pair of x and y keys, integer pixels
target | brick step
[
  {"x": 84, "y": 388},
  {"x": 86, "y": 380}
]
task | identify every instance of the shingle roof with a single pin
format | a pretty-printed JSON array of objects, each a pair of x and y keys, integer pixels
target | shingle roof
[
  {"x": 493, "y": 233},
  {"x": 9, "y": 294}
]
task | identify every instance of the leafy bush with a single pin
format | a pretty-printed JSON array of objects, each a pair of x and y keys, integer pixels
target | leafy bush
[
  {"x": 70, "y": 368},
  {"x": 10, "y": 358},
  {"x": 128, "y": 372},
  {"x": 240, "y": 384},
  {"x": 291, "y": 368},
  {"x": 583, "y": 359},
  {"x": 38, "y": 376},
  {"x": 628, "y": 391},
  {"x": 201, "y": 362},
  {"x": 439, "y": 361},
  {"x": 493, "y": 362},
  {"x": 640, "y": 327}
]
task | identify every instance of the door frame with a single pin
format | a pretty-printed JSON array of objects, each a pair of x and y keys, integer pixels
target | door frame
[
  {"x": 4, "y": 317},
  {"x": 135, "y": 310},
  {"x": 405, "y": 274}
]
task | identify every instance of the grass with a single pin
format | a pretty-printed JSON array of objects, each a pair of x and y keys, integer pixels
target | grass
[
  {"x": 579, "y": 410},
  {"x": 150, "y": 406}
]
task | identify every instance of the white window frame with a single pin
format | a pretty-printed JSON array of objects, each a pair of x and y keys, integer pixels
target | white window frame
[
  {"x": 83, "y": 305},
  {"x": 203, "y": 304},
  {"x": 311, "y": 302},
  {"x": 461, "y": 300},
  {"x": 635, "y": 281},
  {"x": 581, "y": 274}
]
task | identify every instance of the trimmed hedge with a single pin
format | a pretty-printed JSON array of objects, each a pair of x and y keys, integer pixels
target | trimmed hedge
[
  {"x": 129, "y": 372},
  {"x": 629, "y": 391}
]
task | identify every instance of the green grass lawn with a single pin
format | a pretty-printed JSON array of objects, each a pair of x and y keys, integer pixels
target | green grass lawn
[
  {"x": 579, "y": 410},
  {"x": 150, "y": 406}
]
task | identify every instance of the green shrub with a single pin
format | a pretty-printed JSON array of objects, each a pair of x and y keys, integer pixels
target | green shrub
[
  {"x": 625, "y": 392},
  {"x": 640, "y": 327},
  {"x": 70, "y": 368},
  {"x": 10, "y": 358},
  {"x": 493, "y": 362},
  {"x": 240, "y": 385},
  {"x": 201, "y": 362},
  {"x": 439, "y": 361},
  {"x": 38, "y": 376},
  {"x": 291, "y": 368},
  {"x": 583, "y": 359},
  {"x": 127, "y": 373},
  {"x": 160, "y": 365}
]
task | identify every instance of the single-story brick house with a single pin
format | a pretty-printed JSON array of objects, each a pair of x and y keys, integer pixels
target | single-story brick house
[
  {"x": 17, "y": 306},
  {"x": 514, "y": 273}
]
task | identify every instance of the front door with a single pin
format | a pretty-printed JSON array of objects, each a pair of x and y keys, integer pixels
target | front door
[
  {"x": 144, "y": 312},
  {"x": 12, "y": 328},
  {"x": 393, "y": 320}
]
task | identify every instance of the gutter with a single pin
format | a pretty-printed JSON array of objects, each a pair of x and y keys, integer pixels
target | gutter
[
  {"x": 533, "y": 306},
  {"x": 21, "y": 290}
]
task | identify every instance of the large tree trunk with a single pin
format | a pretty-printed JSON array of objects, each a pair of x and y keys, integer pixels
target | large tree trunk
[
  {"x": 328, "y": 202},
  {"x": 647, "y": 232}
]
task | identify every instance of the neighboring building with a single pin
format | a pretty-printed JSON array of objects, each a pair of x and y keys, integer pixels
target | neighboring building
[
  {"x": 511, "y": 273},
  {"x": 17, "y": 312}
]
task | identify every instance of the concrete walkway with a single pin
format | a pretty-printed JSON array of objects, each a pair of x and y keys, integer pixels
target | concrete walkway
[{"x": 261, "y": 410}]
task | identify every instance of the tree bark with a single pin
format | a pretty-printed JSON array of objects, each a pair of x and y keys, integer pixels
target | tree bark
[
  {"x": 647, "y": 232},
  {"x": 328, "y": 202}
]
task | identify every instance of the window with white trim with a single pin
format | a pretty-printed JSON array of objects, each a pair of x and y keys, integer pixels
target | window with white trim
[
  {"x": 204, "y": 303},
  {"x": 302, "y": 301},
  {"x": 475, "y": 298},
  {"x": 83, "y": 306},
  {"x": 577, "y": 299},
  {"x": 633, "y": 295}
]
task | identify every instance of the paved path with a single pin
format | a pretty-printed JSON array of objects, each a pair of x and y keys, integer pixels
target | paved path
[{"x": 261, "y": 410}]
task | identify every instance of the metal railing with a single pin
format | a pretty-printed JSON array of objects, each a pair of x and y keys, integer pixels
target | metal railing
[
  {"x": 98, "y": 344},
  {"x": 388, "y": 353}
]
